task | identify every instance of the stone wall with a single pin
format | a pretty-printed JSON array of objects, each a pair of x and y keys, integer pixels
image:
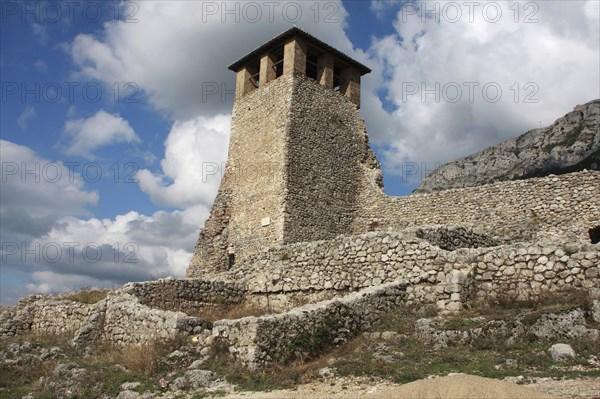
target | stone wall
[
  {"x": 248, "y": 211},
  {"x": 327, "y": 162},
  {"x": 566, "y": 205},
  {"x": 135, "y": 314},
  {"x": 44, "y": 314},
  {"x": 328, "y": 268},
  {"x": 306, "y": 330},
  {"x": 191, "y": 296},
  {"x": 298, "y": 160},
  {"x": 127, "y": 322},
  {"x": 454, "y": 238}
]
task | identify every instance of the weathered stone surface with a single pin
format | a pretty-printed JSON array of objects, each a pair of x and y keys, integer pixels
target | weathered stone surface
[
  {"x": 553, "y": 206},
  {"x": 561, "y": 352},
  {"x": 298, "y": 159},
  {"x": 570, "y": 325},
  {"x": 572, "y": 143},
  {"x": 454, "y": 238},
  {"x": 259, "y": 341},
  {"x": 200, "y": 378}
]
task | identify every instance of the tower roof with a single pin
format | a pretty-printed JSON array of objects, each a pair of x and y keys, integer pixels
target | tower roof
[{"x": 312, "y": 41}]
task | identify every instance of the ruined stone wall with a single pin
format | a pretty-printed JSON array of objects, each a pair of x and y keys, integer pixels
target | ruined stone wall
[
  {"x": 190, "y": 296},
  {"x": 259, "y": 341},
  {"x": 120, "y": 319},
  {"x": 44, "y": 314},
  {"x": 329, "y": 268},
  {"x": 298, "y": 159},
  {"x": 566, "y": 205},
  {"x": 327, "y": 152},
  {"x": 248, "y": 211},
  {"x": 127, "y": 322}
]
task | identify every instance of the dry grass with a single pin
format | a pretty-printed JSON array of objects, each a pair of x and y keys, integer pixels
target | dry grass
[
  {"x": 507, "y": 306},
  {"x": 143, "y": 359},
  {"x": 87, "y": 296}
]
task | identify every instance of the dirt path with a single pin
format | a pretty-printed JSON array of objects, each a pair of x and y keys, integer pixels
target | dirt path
[{"x": 458, "y": 386}]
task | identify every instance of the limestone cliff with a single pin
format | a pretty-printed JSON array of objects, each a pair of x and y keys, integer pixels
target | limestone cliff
[{"x": 572, "y": 143}]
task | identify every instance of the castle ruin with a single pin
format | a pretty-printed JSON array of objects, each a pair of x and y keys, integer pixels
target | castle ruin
[
  {"x": 299, "y": 161},
  {"x": 302, "y": 229}
]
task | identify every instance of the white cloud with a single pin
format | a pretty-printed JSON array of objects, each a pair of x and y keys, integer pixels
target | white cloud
[
  {"x": 195, "y": 153},
  {"x": 558, "y": 57},
  {"x": 47, "y": 282},
  {"x": 41, "y": 237},
  {"x": 41, "y": 66},
  {"x": 37, "y": 192},
  {"x": 95, "y": 252},
  {"x": 39, "y": 31},
  {"x": 130, "y": 247},
  {"x": 27, "y": 114},
  {"x": 179, "y": 50},
  {"x": 99, "y": 130},
  {"x": 380, "y": 7}
]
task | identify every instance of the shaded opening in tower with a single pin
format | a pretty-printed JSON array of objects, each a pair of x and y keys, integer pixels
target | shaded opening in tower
[{"x": 594, "y": 233}]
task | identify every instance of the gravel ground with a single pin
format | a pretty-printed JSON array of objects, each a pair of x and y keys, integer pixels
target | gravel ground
[{"x": 458, "y": 386}]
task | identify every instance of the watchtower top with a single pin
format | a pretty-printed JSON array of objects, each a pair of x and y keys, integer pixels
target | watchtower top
[{"x": 296, "y": 51}]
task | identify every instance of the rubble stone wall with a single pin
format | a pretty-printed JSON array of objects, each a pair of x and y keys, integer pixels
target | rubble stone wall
[
  {"x": 324, "y": 269},
  {"x": 327, "y": 162},
  {"x": 567, "y": 205},
  {"x": 44, "y": 314},
  {"x": 259, "y": 341},
  {"x": 190, "y": 296},
  {"x": 127, "y": 322}
]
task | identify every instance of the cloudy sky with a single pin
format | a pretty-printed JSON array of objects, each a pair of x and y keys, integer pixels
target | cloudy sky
[{"x": 115, "y": 115}]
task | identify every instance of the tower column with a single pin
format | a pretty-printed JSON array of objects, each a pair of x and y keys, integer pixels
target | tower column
[
  {"x": 267, "y": 72},
  {"x": 325, "y": 70},
  {"x": 243, "y": 84},
  {"x": 350, "y": 84},
  {"x": 294, "y": 56}
]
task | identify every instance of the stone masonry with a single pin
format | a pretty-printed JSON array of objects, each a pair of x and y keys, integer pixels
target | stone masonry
[
  {"x": 302, "y": 236},
  {"x": 298, "y": 156}
]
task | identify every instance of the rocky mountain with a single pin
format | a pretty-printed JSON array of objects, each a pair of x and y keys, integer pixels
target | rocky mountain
[{"x": 572, "y": 143}]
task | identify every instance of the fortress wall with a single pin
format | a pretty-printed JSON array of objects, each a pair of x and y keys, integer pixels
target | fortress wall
[
  {"x": 326, "y": 147},
  {"x": 248, "y": 211},
  {"x": 281, "y": 276},
  {"x": 567, "y": 204},
  {"x": 307, "y": 330},
  {"x": 44, "y": 314},
  {"x": 190, "y": 296}
]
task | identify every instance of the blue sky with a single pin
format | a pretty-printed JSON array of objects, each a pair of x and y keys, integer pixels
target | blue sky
[{"x": 111, "y": 110}]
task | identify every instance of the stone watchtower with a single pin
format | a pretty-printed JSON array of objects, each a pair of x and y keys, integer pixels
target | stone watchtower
[{"x": 299, "y": 158}]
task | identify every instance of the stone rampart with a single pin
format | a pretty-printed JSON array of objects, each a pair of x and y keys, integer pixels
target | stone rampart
[
  {"x": 307, "y": 330},
  {"x": 191, "y": 296},
  {"x": 44, "y": 314},
  {"x": 325, "y": 269},
  {"x": 127, "y": 322},
  {"x": 567, "y": 205}
]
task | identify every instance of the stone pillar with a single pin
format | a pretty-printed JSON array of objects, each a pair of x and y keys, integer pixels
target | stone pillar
[
  {"x": 350, "y": 84},
  {"x": 294, "y": 56},
  {"x": 325, "y": 70},
  {"x": 243, "y": 85},
  {"x": 267, "y": 72}
]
